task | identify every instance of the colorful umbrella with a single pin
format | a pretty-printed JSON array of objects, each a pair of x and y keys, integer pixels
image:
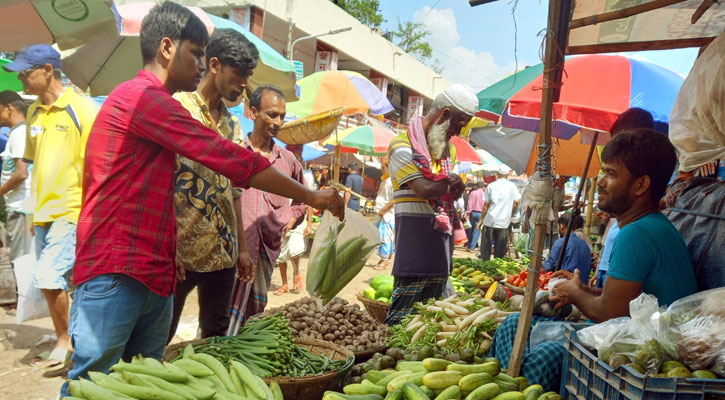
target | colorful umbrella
[
  {"x": 102, "y": 64},
  {"x": 595, "y": 90},
  {"x": 464, "y": 151},
  {"x": 67, "y": 23},
  {"x": 366, "y": 139},
  {"x": 9, "y": 80},
  {"x": 492, "y": 100},
  {"x": 326, "y": 90}
]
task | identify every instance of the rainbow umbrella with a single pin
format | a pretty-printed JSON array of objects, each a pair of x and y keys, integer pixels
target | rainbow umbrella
[
  {"x": 327, "y": 90},
  {"x": 368, "y": 140},
  {"x": 492, "y": 100}
]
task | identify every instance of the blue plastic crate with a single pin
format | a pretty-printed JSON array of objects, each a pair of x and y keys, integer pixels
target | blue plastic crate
[{"x": 584, "y": 376}]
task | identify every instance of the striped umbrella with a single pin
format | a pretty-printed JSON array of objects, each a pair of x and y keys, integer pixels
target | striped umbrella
[
  {"x": 327, "y": 90},
  {"x": 368, "y": 140}
]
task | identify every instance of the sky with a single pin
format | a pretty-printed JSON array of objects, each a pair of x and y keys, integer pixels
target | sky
[{"x": 481, "y": 45}]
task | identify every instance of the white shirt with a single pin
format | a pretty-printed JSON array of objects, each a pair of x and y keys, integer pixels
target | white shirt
[
  {"x": 385, "y": 196},
  {"x": 500, "y": 196},
  {"x": 15, "y": 149}
]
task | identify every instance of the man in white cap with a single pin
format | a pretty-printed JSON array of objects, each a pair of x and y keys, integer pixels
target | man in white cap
[
  {"x": 424, "y": 191},
  {"x": 501, "y": 200}
]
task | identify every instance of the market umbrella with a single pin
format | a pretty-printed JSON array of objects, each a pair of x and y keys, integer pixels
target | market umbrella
[
  {"x": 102, "y": 64},
  {"x": 326, "y": 90},
  {"x": 464, "y": 151},
  {"x": 489, "y": 162},
  {"x": 67, "y": 23},
  {"x": 595, "y": 90},
  {"x": 9, "y": 80},
  {"x": 363, "y": 139},
  {"x": 492, "y": 100}
]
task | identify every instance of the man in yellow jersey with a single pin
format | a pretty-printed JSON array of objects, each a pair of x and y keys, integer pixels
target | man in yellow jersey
[
  {"x": 58, "y": 123},
  {"x": 424, "y": 191}
]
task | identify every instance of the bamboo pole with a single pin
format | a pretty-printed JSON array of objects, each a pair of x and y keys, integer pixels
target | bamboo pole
[
  {"x": 639, "y": 46},
  {"x": 590, "y": 207},
  {"x": 623, "y": 13},
  {"x": 556, "y": 39}
]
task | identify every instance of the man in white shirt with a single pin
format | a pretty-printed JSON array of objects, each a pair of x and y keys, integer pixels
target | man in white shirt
[
  {"x": 501, "y": 200},
  {"x": 14, "y": 178}
]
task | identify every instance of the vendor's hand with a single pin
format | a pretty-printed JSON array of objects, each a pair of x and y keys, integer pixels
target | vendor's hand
[
  {"x": 245, "y": 268},
  {"x": 180, "y": 271},
  {"x": 709, "y": 168},
  {"x": 328, "y": 199},
  {"x": 593, "y": 281},
  {"x": 308, "y": 230},
  {"x": 289, "y": 227},
  {"x": 457, "y": 186},
  {"x": 563, "y": 274},
  {"x": 564, "y": 290}
]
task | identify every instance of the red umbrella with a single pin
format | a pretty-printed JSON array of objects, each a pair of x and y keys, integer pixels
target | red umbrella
[{"x": 464, "y": 151}]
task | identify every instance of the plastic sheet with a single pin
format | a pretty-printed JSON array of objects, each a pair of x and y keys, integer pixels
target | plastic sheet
[
  {"x": 538, "y": 196},
  {"x": 697, "y": 122}
]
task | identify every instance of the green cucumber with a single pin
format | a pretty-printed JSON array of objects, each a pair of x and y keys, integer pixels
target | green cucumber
[
  {"x": 395, "y": 395},
  {"x": 159, "y": 383},
  {"x": 510, "y": 396},
  {"x": 484, "y": 392},
  {"x": 428, "y": 391},
  {"x": 414, "y": 366},
  {"x": 276, "y": 390},
  {"x": 163, "y": 373},
  {"x": 194, "y": 368},
  {"x": 472, "y": 381},
  {"x": 360, "y": 388},
  {"x": 435, "y": 364},
  {"x": 441, "y": 379},
  {"x": 523, "y": 383},
  {"x": 217, "y": 368},
  {"x": 390, "y": 377},
  {"x": 413, "y": 392},
  {"x": 538, "y": 389},
  {"x": 330, "y": 395},
  {"x": 450, "y": 393},
  {"x": 139, "y": 392},
  {"x": 489, "y": 368},
  {"x": 415, "y": 378},
  {"x": 375, "y": 376}
]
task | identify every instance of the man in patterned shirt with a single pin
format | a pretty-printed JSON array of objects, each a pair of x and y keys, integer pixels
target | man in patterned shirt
[
  {"x": 208, "y": 210},
  {"x": 267, "y": 217}
]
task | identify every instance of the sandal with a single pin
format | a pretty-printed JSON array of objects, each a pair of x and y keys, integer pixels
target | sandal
[
  {"x": 382, "y": 265},
  {"x": 56, "y": 360},
  {"x": 282, "y": 290},
  {"x": 298, "y": 285}
]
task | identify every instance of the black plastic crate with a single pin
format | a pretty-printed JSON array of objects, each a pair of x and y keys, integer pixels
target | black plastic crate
[{"x": 584, "y": 376}]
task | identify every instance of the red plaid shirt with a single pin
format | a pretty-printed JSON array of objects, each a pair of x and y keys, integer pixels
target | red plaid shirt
[{"x": 127, "y": 223}]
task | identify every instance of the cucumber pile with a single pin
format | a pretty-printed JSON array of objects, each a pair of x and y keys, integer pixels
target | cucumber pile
[
  {"x": 439, "y": 379},
  {"x": 193, "y": 377}
]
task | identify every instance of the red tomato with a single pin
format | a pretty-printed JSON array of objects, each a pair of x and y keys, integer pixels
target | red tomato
[{"x": 524, "y": 274}]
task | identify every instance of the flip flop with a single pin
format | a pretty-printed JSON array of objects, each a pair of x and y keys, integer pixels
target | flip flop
[
  {"x": 56, "y": 360},
  {"x": 381, "y": 266},
  {"x": 297, "y": 286},
  {"x": 282, "y": 290}
]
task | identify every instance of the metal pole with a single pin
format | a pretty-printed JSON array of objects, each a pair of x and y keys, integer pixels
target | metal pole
[
  {"x": 576, "y": 211},
  {"x": 291, "y": 51},
  {"x": 590, "y": 209}
]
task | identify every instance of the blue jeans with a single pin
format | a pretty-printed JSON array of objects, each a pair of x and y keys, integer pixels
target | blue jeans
[
  {"x": 475, "y": 233},
  {"x": 115, "y": 316},
  {"x": 601, "y": 277}
]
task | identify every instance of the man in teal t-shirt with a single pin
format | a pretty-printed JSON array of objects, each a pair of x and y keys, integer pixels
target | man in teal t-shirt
[{"x": 649, "y": 254}]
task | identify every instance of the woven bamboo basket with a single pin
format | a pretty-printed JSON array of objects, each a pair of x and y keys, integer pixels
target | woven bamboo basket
[
  {"x": 362, "y": 356},
  {"x": 377, "y": 309},
  {"x": 310, "y": 129},
  {"x": 305, "y": 388}
]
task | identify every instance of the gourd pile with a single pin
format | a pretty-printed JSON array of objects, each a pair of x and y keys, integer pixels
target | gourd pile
[
  {"x": 339, "y": 322},
  {"x": 381, "y": 288}
]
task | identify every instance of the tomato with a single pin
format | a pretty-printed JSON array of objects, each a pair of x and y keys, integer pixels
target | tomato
[{"x": 524, "y": 274}]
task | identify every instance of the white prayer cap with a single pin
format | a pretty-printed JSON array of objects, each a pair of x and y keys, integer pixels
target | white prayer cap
[
  {"x": 462, "y": 98},
  {"x": 503, "y": 169}
]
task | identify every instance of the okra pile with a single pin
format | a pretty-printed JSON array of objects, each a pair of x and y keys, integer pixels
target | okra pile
[{"x": 192, "y": 377}]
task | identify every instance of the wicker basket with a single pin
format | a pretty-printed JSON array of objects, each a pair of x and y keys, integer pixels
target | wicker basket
[
  {"x": 310, "y": 129},
  {"x": 313, "y": 387},
  {"x": 305, "y": 388},
  {"x": 363, "y": 356},
  {"x": 377, "y": 309}
]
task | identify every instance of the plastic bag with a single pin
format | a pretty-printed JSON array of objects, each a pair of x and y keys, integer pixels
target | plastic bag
[
  {"x": 548, "y": 331},
  {"x": 31, "y": 302},
  {"x": 697, "y": 121},
  {"x": 593, "y": 337},
  {"x": 339, "y": 252},
  {"x": 635, "y": 341},
  {"x": 692, "y": 330}
]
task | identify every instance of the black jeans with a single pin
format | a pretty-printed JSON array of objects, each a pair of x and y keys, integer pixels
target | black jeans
[
  {"x": 500, "y": 242},
  {"x": 215, "y": 292}
]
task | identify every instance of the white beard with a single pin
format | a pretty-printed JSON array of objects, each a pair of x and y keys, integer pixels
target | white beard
[{"x": 437, "y": 139}]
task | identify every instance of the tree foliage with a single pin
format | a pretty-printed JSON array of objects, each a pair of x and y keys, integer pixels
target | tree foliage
[
  {"x": 365, "y": 11},
  {"x": 410, "y": 36}
]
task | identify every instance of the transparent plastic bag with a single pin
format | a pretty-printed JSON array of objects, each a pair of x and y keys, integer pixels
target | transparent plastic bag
[
  {"x": 31, "y": 301},
  {"x": 339, "y": 251},
  {"x": 593, "y": 337},
  {"x": 692, "y": 330},
  {"x": 548, "y": 331}
]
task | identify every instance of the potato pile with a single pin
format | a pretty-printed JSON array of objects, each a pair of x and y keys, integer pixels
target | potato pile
[{"x": 339, "y": 322}]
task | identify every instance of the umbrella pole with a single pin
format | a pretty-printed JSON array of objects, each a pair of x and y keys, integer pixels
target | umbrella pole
[
  {"x": 336, "y": 160},
  {"x": 576, "y": 210},
  {"x": 555, "y": 45},
  {"x": 590, "y": 209}
]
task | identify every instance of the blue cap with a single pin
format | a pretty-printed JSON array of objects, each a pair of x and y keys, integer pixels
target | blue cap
[{"x": 34, "y": 56}]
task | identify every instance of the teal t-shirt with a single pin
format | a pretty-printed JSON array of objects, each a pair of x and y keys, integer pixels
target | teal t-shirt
[{"x": 652, "y": 251}]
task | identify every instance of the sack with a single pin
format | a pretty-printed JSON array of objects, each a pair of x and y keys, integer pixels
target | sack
[
  {"x": 339, "y": 252},
  {"x": 31, "y": 302},
  {"x": 521, "y": 243}
]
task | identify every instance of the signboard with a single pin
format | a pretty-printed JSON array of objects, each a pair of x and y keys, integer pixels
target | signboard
[
  {"x": 326, "y": 61},
  {"x": 299, "y": 69},
  {"x": 381, "y": 84},
  {"x": 242, "y": 16},
  {"x": 415, "y": 107}
]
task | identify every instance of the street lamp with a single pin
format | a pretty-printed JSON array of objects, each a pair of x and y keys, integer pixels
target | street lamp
[{"x": 332, "y": 32}]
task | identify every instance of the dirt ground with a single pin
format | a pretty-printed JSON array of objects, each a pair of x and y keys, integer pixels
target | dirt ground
[{"x": 20, "y": 344}]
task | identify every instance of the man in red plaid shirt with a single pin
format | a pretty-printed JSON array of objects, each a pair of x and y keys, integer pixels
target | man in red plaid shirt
[{"x": 124, "y": 271}]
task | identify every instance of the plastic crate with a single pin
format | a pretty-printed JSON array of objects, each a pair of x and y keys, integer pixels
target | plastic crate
[{"x": 584, "y": 376}]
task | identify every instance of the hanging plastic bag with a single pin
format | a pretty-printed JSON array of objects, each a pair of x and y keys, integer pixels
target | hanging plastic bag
[
  {"x": 31, "y": 302},
  {"x": 548, "y": 331},
  {"x": 339, "y": 252},
  {"x": 692, "y": 330}
]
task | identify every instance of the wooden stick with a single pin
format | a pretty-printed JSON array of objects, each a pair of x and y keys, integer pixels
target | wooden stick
[
  {"x": 623, "y": 13},
  {"x": 590, "y": 207},
  {"x": 559, "y": 11},
  {"x": 701, "y": 10},
  {"x": 340, "y": 186},
  {"x": 639, "y": 46}
]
